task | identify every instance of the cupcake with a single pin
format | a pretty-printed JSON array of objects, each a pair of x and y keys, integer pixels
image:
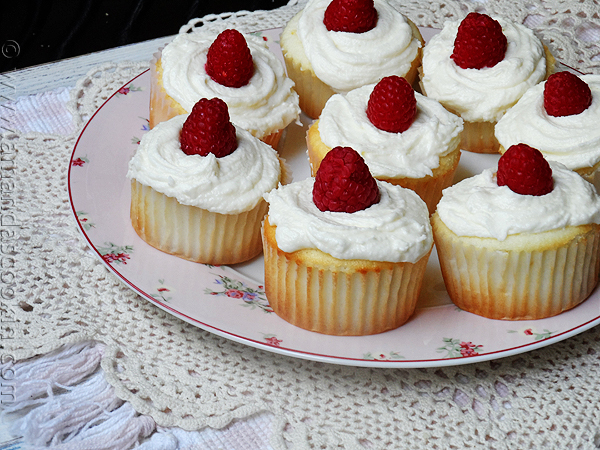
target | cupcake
[
  {"x": 522, "y": 243},
  {"x": 405, "y": 138},
  {"x": 238, "y": 69},
  {"x": 345, "y": 254},
  {"x": 480, "y": 86},
  {"x": 335, "y": 46},
  {"x": 561, "y": 117},
  {"x": 197, "y": 185}
]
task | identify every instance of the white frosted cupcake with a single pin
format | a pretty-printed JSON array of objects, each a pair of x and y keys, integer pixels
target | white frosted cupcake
[
  {"x": 413, "y": 143},
  {"x": 520, "y": 244},
  {"x": 200, "y": 197},
  {"x": 481, "y": 87},
  {"x": 349, "y": 260},
  {"x": 323, "y": 61},
  {"x": 249, "y": 79},
  {"x": 565, "y": 134}
]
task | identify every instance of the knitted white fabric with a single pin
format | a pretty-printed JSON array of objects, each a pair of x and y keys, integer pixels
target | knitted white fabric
[{"x": 55, "y": 292}]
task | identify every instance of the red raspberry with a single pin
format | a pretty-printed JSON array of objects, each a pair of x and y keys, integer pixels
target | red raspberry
[
  {"x": 479, "y": 42},
  {"x": 229, "y": 61},
  {"x": 343, "y": 182},
  {"x": 525, "y": 171},
  {"x": 566, "y": 94},
  {"x": 352, "y": 16},
  {"x": 208, "y": 130},
  {"x": 392, "y": 105}
]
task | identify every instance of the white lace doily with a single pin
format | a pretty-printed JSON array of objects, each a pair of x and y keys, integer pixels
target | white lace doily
[{"x": 55, "y": 292}]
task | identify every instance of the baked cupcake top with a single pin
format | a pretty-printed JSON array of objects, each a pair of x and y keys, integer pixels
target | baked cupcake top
[
  {"x": 395, "y": 229},
  {"x": 573, "y": 140},
  {"x": 267, "y": 103},
  {"x": 345, "y": 60},
  {"x": 228, "y": 185},
  {"x": 414, "y": 152},
  {"x": 478, "y": 207},
  {"x": 483, "y": 94}
]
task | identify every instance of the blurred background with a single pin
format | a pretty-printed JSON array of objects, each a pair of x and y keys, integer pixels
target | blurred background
[{"x": 35, "y": 32}]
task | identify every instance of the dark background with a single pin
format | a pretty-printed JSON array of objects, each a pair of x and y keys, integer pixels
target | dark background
[{"x": 40, "y": 31}]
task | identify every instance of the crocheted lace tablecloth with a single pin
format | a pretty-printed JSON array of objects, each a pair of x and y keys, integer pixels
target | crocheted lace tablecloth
[{"x": 55, "y": 292}]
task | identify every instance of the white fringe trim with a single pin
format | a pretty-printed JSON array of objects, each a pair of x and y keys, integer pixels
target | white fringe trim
[{"x": 62, "y": 401}]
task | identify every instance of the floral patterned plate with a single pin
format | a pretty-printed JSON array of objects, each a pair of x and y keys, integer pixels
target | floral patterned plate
[{"x": 230, "y": 301}]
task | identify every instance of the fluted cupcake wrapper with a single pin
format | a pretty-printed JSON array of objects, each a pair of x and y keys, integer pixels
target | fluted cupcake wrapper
[
  {"x": 478, "y": 137},
  {"x": 312, "y": 92},
  {"x": 192, "y": 233},
  {"x": 333, "y": 299},
  {"x": 162, "y": 106},
  {"x": 518, "y": 284}
]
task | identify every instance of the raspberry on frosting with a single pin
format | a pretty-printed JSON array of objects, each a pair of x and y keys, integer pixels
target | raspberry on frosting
[
  {"x": 525, "y": 171},
  {"x": 229, "y": 61},
  {"x": 208, "y": 130},
  {"x": 352, "y": 16},
  {"x": 565, "y": 94},
  {"x": 343, "y": 182},
  {"x": 479, "y": 42},
  {"x": 392, "y": 105}
]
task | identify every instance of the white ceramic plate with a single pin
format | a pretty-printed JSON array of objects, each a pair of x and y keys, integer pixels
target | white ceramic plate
[{"x": 230, "y": 301}]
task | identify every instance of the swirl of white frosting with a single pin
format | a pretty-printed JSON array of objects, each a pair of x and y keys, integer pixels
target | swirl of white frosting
[
  {"x": 413, "y": 153},
  {"x": 397, "y": 229},
  {"x": 266, "y": 104},
  {"x": 229, "y": 185},
  {"x": 572, "y": 140},
  {"x": 483, "y": 94},
  {"x": 346, "y": 61},
  {"x": 478, "y": 207}
]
